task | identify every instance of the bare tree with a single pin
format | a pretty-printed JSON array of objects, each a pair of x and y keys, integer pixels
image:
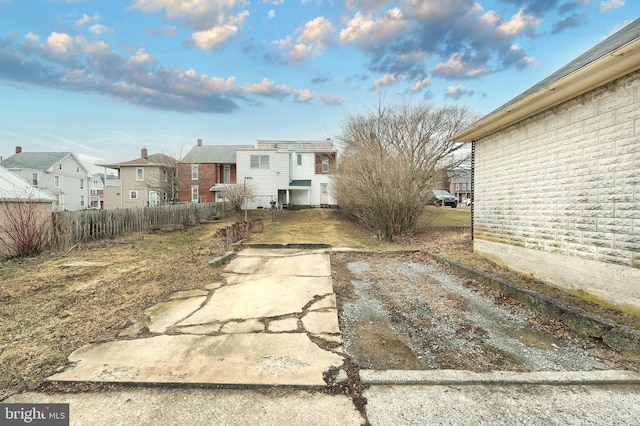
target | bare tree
[
  {"x": 238, "y": 194},
  {"x": 394, "y": 156}
]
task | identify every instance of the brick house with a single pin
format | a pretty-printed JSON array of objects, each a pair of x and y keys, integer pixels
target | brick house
[
  {"x": 556, "y": 181},
  {"x": 205, "y": 171}
]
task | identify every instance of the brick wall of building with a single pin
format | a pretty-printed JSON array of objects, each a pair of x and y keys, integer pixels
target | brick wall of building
[{"x": 567, "y": 180}]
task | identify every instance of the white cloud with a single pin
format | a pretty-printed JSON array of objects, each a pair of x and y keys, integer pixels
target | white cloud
[
  {"x": 99, "y": 29},
  {"x": 456, "y": 92},
  {"x": 386, "y": 80},
  {"x": 311, "y": 41},
  {"x": 420, "y": 83},
  {"x": 269, "y": 89},
  {"x": 519, "y": 23},
  {"x": 608, "y": 5},
  {"x": 60, "y": 43},
  {"x": 213, "y": 22},
  {"x": 364, "y": 30},
  {"x": 456, "y": 67},
  {"x": 212, "y": 38},
  {"x": 317, "y": 30},
  {"x": 87, "y": 19},
  {"x": 271, "y": 14},
  {"x": 31, "y": 37}
]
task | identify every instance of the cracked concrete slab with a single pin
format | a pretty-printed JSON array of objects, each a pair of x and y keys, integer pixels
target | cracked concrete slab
[
  {"x": 249, "y": 359},
  {"x": 164, "y": 315},
  {"x": 261, "y": 297},
  {"x": 253, "y": 327}
]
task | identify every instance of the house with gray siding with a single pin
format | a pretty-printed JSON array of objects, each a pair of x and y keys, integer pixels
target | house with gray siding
[
  {"x": 556, "y": 175},
  {"x": 60, "y": 174}
]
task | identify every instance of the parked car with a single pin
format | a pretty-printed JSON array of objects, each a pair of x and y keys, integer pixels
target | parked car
[{"x": 443, "y": 198}]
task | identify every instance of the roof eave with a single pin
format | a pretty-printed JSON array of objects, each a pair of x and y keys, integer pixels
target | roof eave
[{"x": 615, "y": 64}]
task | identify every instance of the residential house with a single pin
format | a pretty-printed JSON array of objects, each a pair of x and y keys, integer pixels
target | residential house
[
  {"x": 459, "y": 183},
  {"x": 96, "y": 188},
  {"x": 557, "y": 175},
  {"x": 147, "y": 181},
  {"x": 299, "y": 173},
  {"x": 18, "y": 197},
  {"x": 205, "y": 171},
  {"x": 60, "y": 174}
]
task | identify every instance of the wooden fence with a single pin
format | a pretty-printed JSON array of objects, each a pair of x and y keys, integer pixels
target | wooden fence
[{"x": 70, "y": 228}]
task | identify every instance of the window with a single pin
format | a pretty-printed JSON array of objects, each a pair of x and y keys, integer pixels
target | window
[
  {"x": 194, "y": 172},
  {"x": 325, "y": 165},
  {"x": 164, "y": 196},
  {"x": 139, "y": 173},
  {"x": 81, "y": 183},
  {"x": 227, "y": 174},
  {"x": 194, "y": 193},
  {"x": 56, "y": 181},
  {"x": 299, "y": 159},
  {"x": 82, "y": 201},
  {"x": 165, "y": 176},
  {"x": 464, "y": 186},
  {"x": 56, "y": 200},
  {"x": 259, "y": 161},
  {"x": 457, "y": 187},
  {"x": 35, "y": 180},
  {"x": 133, "y": 195}
]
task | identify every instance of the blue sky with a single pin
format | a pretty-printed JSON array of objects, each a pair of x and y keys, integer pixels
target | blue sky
[{"x": 104, "y": 78}]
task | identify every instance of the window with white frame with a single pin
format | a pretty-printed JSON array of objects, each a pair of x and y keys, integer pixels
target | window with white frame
[
  {"x": 325, "y": 165},
  {"x": 35, "y": 179},
  {"x": 139, "y": 173},
  {"x": 82, "y": 201},
  {"x": 194, "y": 193},
  {"x": 165, "y": 175},
  {"x": 133, "y": 194},
  {"x": 457, "y": 187},
  {"x": 56, "y": 181},
  {"x": 259, "y": 162},
  {"x": 81, "y": 183},
  {"x": 194, "y": 172},
  {"x": 226, "y": 177}
]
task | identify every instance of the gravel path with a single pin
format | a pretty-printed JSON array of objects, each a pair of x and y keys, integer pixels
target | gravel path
[{"x": 401, "y": 314}]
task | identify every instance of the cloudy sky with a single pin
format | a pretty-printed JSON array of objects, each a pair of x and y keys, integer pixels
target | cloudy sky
[{"x": 104, "y": 78}]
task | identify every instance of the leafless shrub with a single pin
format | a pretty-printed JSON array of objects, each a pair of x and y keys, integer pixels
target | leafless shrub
[
  {"x": 394, "y": 157},
  {"x": 25, "y": 226},
  {"x": 236, "y": 194}
]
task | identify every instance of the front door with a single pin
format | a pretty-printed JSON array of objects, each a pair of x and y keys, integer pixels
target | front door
[{"x": 324, "y": 195}]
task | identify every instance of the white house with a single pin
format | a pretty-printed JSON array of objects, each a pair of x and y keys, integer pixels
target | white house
[
  {"x": 291, "y": 173},
  {"x": 60, "y": 174},
  {"x": 556, "y": 183}
]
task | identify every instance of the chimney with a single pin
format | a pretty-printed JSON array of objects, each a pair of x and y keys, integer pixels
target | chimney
[
  {"x": 143, "y": 152},
  {"x": 18, "y": 149},
  {"x": 199, "y": 142}
]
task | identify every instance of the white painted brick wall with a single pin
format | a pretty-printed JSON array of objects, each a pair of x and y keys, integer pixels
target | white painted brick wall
[{"x": 568, "y": 179}]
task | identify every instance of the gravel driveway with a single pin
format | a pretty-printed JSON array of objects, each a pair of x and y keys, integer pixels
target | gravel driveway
[{"x": 407, "y": 312}]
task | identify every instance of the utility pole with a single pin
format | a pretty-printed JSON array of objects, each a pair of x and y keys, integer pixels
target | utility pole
[{"x": 244, "y": 195}]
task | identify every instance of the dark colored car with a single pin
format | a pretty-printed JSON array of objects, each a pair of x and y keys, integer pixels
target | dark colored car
[{"x": 443, "y": 198}]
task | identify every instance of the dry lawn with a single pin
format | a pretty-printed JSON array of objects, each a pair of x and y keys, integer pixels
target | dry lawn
[{"x": 49, "y": 307}]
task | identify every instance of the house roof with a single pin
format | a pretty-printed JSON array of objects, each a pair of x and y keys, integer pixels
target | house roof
[
  {"x": 149, "y": 161},
  {"x": 213, "y": 154},
  {"x": 303, "y": 182},
  {"x": 12, "y": 188},
  {"x": 613, "y": 58},
  {"x": 38, "y": 160}
]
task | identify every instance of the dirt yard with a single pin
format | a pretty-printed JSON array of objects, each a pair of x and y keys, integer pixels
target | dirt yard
[{"x": 393, "y": 313}]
